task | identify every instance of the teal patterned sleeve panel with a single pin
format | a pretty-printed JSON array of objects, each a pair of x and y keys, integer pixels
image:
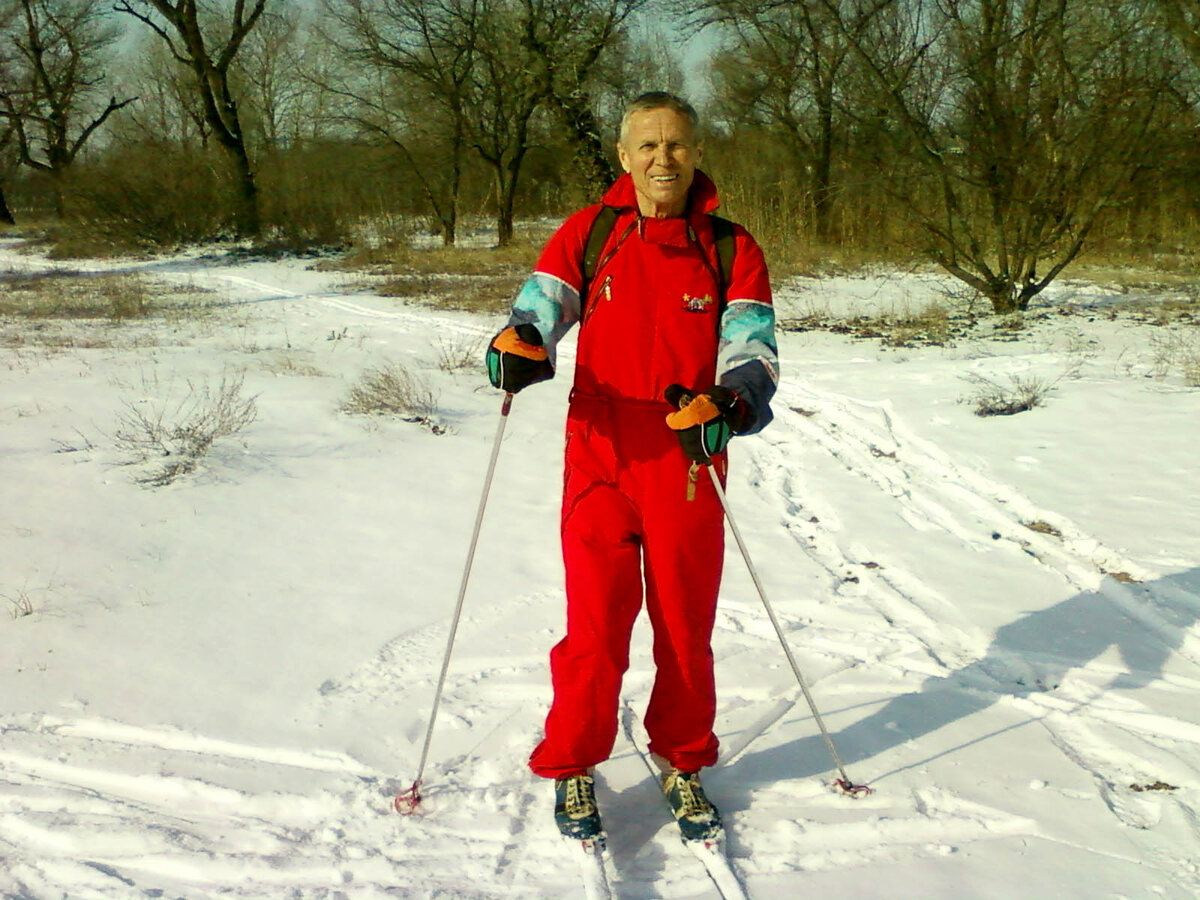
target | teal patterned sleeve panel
[
  {"x": 748, "y": 332},
  {"x": 550, "y": 305},
  {"x": 747, "y": 356}
]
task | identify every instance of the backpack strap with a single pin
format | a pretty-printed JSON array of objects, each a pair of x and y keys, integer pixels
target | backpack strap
[
  {"x": 602, "y": 227},
  {"x": 606, "y": 219},
  {"x": 723, "y": 238}
]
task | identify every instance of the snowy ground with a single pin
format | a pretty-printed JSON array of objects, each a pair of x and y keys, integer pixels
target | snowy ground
[{"x": 214, "y": 688}]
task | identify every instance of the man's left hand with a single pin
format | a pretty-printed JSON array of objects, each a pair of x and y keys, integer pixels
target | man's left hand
[{"x": 704, "y": 421}]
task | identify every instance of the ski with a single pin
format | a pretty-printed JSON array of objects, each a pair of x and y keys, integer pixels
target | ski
[
  {"x": 591, "y": 868},
  {"x": 711, "y": 853},
  {"x": 716, "y": 863}
]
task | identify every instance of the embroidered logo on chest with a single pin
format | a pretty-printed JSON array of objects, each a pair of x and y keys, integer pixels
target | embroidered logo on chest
[{"x": 696, "y": 304}]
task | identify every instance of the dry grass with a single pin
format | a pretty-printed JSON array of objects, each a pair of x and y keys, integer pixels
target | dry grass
[
  {"x": 1019, "y": 393},
  {"x": 115, "y": 296},
  {"x": 1176, "y": 352},
  {"x": 392, "y": 390},
  {"x": 460, "y": 355},
  {"x": 20, "y": 605},
  {"x": 287, "y": 363},
  {"x": 183, "y": 431},
  {"x": 75, "y": 295},
  {"x": 41, "y": 309},
  {"x": 1043, "y": 528},
  {"x": 474, "y": 279},
  {"x": 935, "y": 325},
  {"x": 485, "y": 294},
  {"x": 403, "y": 258}
]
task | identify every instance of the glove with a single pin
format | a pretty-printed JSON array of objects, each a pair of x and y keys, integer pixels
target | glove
[
  {"x": 516, "y": 359},
  {"x": 705, "y": 421}
]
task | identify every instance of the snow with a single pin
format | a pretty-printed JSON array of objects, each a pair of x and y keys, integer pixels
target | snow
[{"x": 220, "y": 684}]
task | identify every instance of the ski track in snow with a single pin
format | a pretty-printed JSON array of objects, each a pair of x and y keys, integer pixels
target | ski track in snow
[
  {"x": 1116, "y": 741},
  {"x": 121, "y": 811}
]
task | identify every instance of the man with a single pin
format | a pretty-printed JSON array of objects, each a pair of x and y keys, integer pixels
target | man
[{"x": 674, "y": 356}]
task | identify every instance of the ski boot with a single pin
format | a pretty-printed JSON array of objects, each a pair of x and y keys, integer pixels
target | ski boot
[
  {"x": 698, "y": 819},
  {"x": 575, "y": 810}
]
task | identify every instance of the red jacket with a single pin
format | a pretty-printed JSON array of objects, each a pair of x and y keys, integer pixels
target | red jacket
[{"x": 653, "y": 314}]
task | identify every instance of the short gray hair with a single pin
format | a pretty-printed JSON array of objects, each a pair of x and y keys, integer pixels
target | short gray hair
[{"x": 659, "y": 100}]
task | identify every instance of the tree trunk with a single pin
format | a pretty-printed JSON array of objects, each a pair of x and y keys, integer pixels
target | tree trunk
[
  {"x": 823, "y": 178},
  {"x": 6, "y": 215},
  {"x": 505, "y": 191},
  {"x": 247, "y": 221},
  {"x": 591, "y": 161}
]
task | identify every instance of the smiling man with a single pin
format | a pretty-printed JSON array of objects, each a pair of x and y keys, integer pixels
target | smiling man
[
  {"x": 676, "y": 354},
  {"x": 660, "y": 151}
]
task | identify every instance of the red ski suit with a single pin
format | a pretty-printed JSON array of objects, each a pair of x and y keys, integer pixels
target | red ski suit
[{"x": 637, "y": 520}]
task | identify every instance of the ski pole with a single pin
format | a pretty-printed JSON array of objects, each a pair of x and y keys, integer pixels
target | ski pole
[
  {"x": 844, "y": 784},
  {"x": 406, "y": 802}
]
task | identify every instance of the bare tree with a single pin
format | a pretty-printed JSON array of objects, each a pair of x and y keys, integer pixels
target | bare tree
[
  {"x": 272, "y": 72},
  {"x": 785, "y": 74},
  {"x": 410, "y": 86},
  {"x": 1183, "y": 19},
  {"x": 567, "y": 41},
  {"x": 168, "y": 108},
  {"x": 50, "y": 94},
  {"x": 1016, "y": 124},
  {"x": 535, "y": 56},
  {"x": 484, "y": 75},
  {"x": 8, "y": 79},
  {"x": 208, "y": 41}
]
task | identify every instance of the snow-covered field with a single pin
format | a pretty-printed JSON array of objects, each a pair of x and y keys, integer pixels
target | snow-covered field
[{"x": 215, "y": 688}]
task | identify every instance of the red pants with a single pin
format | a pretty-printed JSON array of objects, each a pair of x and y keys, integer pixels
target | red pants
[{"x": 627, "y": 512}]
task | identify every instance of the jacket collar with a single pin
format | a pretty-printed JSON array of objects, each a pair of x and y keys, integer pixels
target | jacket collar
[{"x": 702, "y": 195}]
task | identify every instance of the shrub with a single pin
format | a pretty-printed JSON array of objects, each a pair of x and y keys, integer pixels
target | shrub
[
  {"x": 184, "y": 432},
  {"x": 21, "y": 605},
  {"x": 394, "y": 391},
  {"x": 460, "y": 355},
  {"x": 1021, "y": 393},
  {"x": 1176, "y": 351}
]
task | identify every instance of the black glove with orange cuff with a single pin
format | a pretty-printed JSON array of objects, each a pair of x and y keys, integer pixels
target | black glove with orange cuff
[
  {"x": 516, "y": 359},
  {"x": 704, "y": 421}
]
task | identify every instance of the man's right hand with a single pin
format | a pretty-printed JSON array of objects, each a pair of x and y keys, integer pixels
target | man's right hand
[{"x": 517, "y": 359}]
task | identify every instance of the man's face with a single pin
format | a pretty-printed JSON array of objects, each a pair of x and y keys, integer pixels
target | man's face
[{"x": 659, "y": 150}]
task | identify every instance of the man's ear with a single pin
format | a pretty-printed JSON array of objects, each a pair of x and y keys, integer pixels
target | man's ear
[
  {"x": 699, "y": 153},
  {"x": 623, "y": 157}
]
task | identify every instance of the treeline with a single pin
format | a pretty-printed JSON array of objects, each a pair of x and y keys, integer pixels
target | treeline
[{"x": 996, "y": 137}]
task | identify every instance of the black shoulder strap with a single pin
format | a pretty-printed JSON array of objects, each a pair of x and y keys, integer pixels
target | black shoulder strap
[
  {"x": 723, "y": 238},
  {"x": 602, "y": 227},
  {"x": 606, "y": 220}
]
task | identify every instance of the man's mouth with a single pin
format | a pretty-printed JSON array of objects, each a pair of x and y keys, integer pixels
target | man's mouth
[{"x": 663, "y": 179}]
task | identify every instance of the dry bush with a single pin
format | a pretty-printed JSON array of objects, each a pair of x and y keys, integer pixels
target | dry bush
[
  {"x": 148, "y": 196},
  {"x": 1019, "y": 394},
  {"x": 20, "y": 605},
  {"x": 392, "y": 390},
  {"x": 459, "y": 355},
  {"x": 1176, "y": 352},
  {"x": 183, "y": 432}
]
